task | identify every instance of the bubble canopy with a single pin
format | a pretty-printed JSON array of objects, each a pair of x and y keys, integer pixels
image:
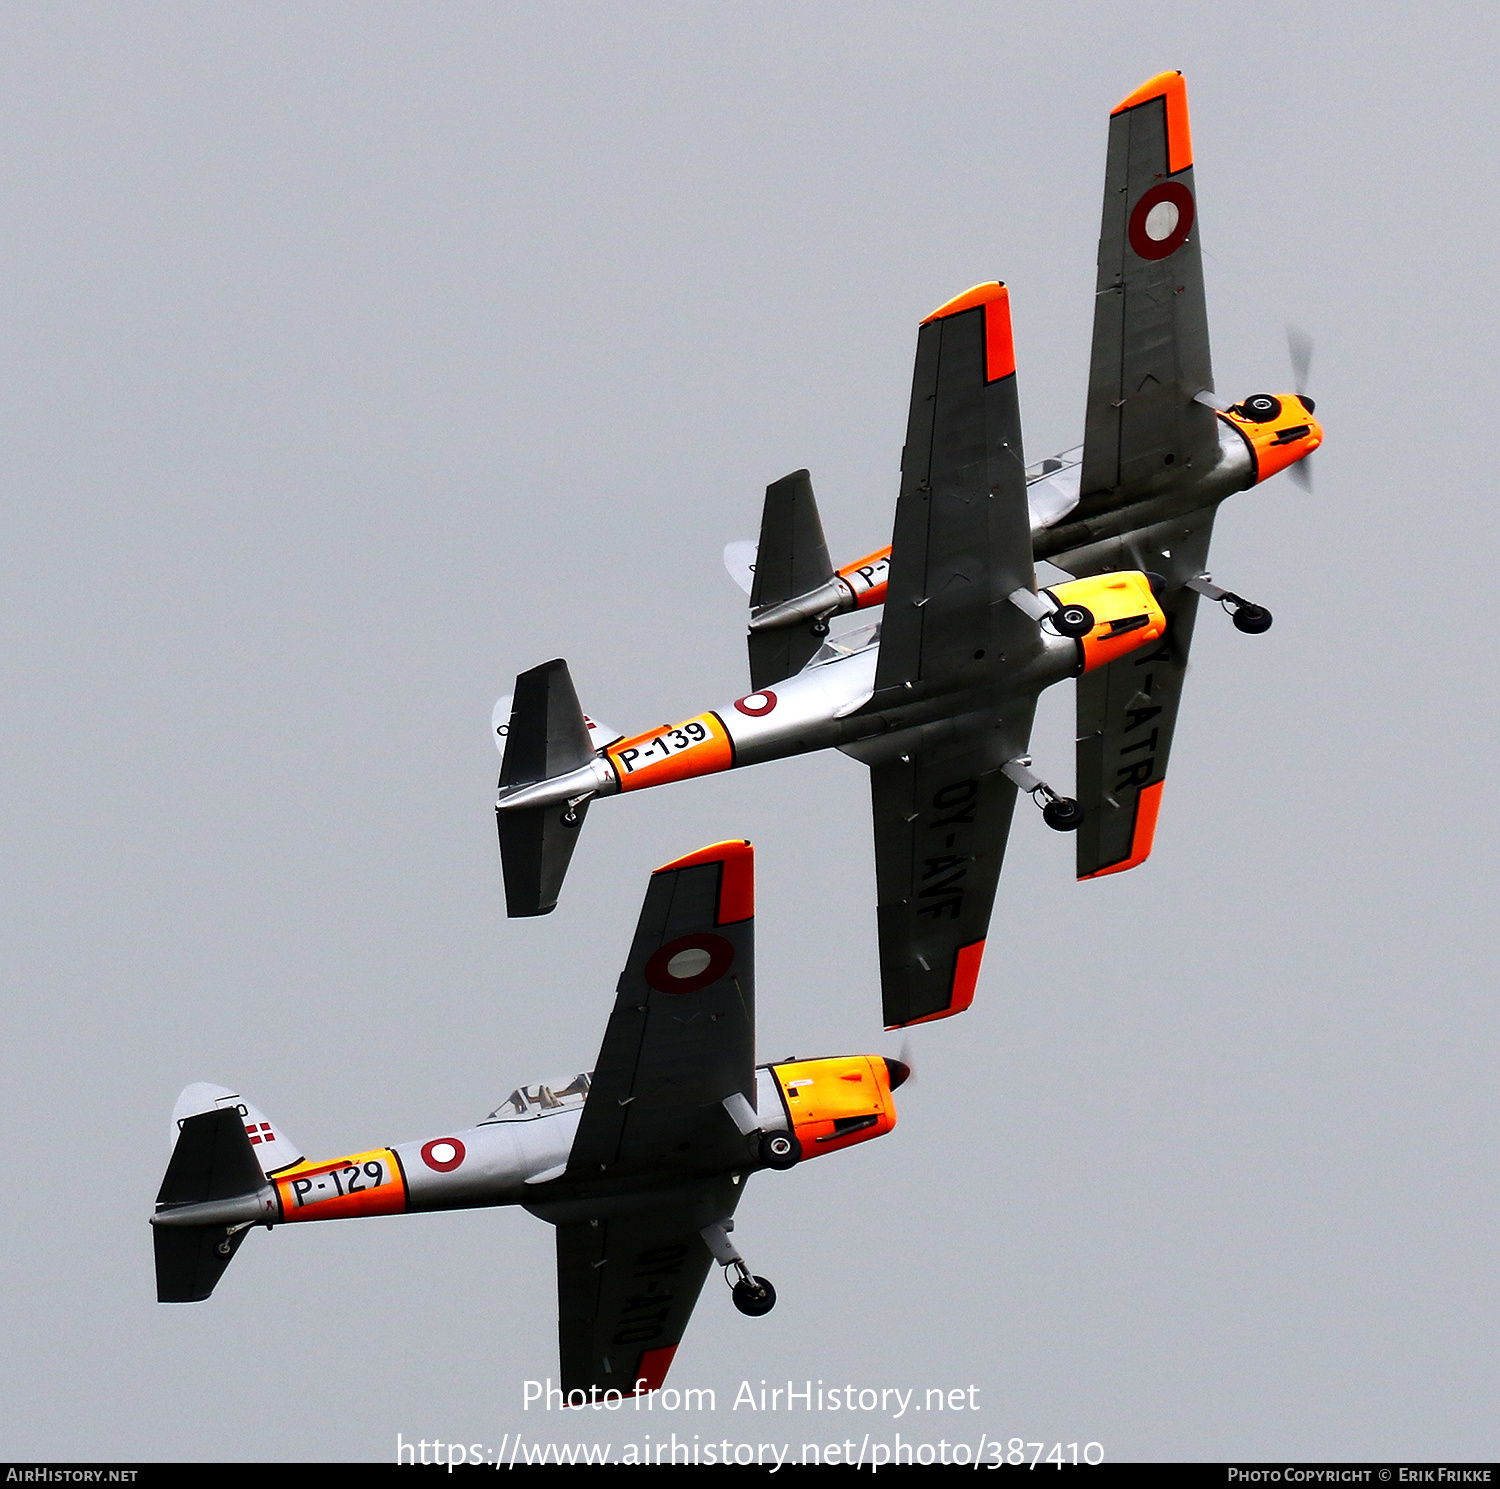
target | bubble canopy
[{"x": 526, "y": 1103}]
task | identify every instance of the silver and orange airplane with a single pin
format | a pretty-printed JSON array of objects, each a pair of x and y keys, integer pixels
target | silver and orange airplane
[
  {"x": 938, "y": 698},
  {"x": 639, "y": 1164}
]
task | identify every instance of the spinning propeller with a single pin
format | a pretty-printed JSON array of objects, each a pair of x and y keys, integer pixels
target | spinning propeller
[{"x": 1299, "y": 346}]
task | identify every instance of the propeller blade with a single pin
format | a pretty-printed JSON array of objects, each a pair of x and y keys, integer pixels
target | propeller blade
[
  {"x": 1299, "y": 346},
  {"x": 1301, "y": 473},
  {"x": 906, "y": 1060}
]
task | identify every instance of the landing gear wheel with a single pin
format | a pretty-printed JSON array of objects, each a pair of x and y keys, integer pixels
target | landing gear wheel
[
  {"x": 1063, "y": 814},
  {"x": 779, "y": 1150},
  {"x": 819, "y": 628},
  {"x": 754, "y": 1298},
  {"x": 1261, "y": 408},
  {"x": 1073, "y": 620},
  {"x": 1253, "y": 620}
]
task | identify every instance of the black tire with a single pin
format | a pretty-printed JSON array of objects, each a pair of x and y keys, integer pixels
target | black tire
[
  {"x": 819, "y": 628},
  {"x": 1063, "y": 814},
  {"x": 1253, "y": 620},
  {"x": 755, "y": 1298},
  {"x": 1261, "y": 408},
  {"x": 1073, "y": 620},
  {"x": 779, "y": 1149}
]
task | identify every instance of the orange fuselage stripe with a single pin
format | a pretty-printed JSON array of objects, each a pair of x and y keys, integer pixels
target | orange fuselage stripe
[{"x": 676, "y": 752}]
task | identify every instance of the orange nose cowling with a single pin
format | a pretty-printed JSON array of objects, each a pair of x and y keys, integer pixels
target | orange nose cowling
[{"x": 1280, "y": 430}]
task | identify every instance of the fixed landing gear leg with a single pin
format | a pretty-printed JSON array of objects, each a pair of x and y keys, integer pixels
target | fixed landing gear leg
[
  {"x": 1060, "y": 813},
  {"x": 1067, "y": 620},
  {"x": 753, "y": 1296},
  {"x": 1252, "y": 619}
]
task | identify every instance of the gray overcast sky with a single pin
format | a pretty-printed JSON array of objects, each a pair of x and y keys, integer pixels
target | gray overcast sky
[{"x": 355, "y": 357}]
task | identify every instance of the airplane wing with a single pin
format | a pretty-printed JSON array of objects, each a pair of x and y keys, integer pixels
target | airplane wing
[
  {"x": 1150, "y": 354},
  {"x": 626, "y": 1286},
  {"x": 680, "y": 1040},
  {"x": 1127, "y": 710},
  {"x": 682, "y": 1034},
  {"x": 942, "y": 815},
  {"x": 962, "y": 539}
]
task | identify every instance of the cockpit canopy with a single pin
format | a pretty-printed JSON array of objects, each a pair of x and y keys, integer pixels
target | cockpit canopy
[
  {"x": 847, "y": 644},
  {"x": 526, "y": 1103}
]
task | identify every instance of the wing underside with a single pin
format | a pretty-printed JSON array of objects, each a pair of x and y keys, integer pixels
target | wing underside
[
  {"x": 682, "y": 1034},
  {"x": 650, "y": 1164},
  {"x": 942, "y": 813},
  {"x": 1150, "y": 353},
  {"x": 626, "y": 1289},
  {"x": 962, "y": 538},
  {"x": 961, "y": 547},
  {"x": 1127, "y": 710}
]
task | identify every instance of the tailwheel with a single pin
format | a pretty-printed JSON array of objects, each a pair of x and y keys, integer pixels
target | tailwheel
[
  {"x": 1063, "y": 814},
  {"x": 754, "y": 1296},
  {"x": 1253, "y": 620},
  {"x": 779, "y": 1150}
]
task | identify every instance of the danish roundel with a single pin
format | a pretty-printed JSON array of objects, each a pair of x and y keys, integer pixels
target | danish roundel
[
  {"x": 443, "y": 1154},
  {"x": 1161, "y": 220},
  {"x": 757, "y": 705},
  {"x": 689, "y": 963}
]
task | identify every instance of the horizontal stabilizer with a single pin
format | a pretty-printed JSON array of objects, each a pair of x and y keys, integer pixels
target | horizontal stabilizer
[
  {"x": 213, "y": 1160},
  {"x": 792, "y": 555},
  {"x": 547, "y": 737},
  {"x": 274, "y": 1149},
  {"x": 791, "y": 560},
  {"x": 601, "y": 735},
  {"x": 536, "y": 847}
]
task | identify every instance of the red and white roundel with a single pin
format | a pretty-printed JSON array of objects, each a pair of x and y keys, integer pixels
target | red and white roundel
[
  {"x": 1161, "y": 220},
  {"x": 757, "y": 705},
  {"x": 444, "y": 1154},
  {"x": 689, "y": 963}
]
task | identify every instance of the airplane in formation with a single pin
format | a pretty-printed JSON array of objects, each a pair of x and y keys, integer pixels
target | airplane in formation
[
  {"x": 938, "y": 698},
  {"x": 639, "y": 1164}
]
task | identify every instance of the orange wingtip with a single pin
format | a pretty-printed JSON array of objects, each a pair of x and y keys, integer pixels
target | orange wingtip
[
  {"x": 1172, "y": 87},
  {"x": 1147, "y": 805},
  {"x": 999, "y": 344},
  {"x": 652, "y": 1370},
  {"x": 961, "y": 995},
  {"x": 737, "y": 886}
]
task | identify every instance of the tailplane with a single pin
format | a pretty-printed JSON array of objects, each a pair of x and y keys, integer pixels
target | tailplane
[
  {"x": 547, "y": 737},
  {"x": 214, "y": 1190},
  {"x": 791, "y": 563}
]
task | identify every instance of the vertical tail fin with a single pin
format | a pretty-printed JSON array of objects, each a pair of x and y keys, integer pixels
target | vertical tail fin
[{"x": 547, "y": 737}]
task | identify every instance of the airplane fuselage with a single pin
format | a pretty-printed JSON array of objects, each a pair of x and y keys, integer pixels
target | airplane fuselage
[
  {"x": 520, "y": 1155},
  {"x": 833, "y": 703}
]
